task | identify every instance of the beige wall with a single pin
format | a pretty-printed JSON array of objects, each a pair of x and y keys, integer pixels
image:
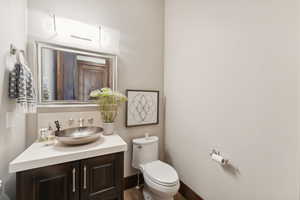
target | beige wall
[
  {"x": 140, "y": 61},
  {"x": 231, "y": 83},
  {"x": 12, "y": 140}
]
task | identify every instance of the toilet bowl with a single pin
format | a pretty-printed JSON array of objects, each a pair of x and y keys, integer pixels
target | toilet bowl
[{"x": 161, "y": 179}]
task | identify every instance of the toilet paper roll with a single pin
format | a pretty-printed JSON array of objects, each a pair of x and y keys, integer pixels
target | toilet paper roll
[{"x": 219, "y": 159}]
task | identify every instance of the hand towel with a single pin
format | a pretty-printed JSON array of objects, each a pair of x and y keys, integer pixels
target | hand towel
[{"x": 21, "y": 88}]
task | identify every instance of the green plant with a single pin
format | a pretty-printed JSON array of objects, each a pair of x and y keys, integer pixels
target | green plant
[{"x": 109, "y": 102}]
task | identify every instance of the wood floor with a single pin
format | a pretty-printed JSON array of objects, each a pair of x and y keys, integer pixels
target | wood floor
[{"x": 134, "y": 194}]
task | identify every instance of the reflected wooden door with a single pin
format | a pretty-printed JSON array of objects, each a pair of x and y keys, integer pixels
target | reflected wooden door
[
  {"x": 65, "y": 75},
  {"x": 92, "y": 76}
]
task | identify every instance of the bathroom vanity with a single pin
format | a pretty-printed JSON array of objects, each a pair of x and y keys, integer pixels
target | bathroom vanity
[
  {"x": 65, "y": 77},
  {"x": 58, "y": 172}
]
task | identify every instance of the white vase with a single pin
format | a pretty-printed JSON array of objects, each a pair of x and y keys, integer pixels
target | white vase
[{"x": 108, "y": 128}]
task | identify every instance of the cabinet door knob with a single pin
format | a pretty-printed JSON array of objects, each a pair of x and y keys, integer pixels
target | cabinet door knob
[
  {"x": 74, "y": 179},
  {"x": 84, "y": 177}
]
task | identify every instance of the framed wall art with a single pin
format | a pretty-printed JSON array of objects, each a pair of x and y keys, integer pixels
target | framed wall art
[{"x": 142, "y": 107}]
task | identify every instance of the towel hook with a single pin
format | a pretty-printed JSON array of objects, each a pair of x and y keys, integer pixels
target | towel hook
[
  {"x": 13, "y": 49},
  {"x": 16, "y": 52}
]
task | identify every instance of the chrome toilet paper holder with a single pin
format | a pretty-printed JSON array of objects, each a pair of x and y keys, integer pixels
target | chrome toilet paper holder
[
  {"x": 220, "y": 159},
  {"x": 215, "y": 152}
]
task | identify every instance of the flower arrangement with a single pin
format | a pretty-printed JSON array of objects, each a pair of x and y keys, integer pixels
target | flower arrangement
[{"x": 109, "y": 102}]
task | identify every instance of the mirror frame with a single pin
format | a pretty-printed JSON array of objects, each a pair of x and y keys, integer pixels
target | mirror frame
[{"x": 41, "y": 45}]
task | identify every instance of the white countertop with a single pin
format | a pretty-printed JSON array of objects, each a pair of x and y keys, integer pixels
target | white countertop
[{"x": 41, "y": 154}]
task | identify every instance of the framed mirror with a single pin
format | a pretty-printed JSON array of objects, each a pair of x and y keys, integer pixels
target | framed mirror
[{"x": 68, "y": 75}]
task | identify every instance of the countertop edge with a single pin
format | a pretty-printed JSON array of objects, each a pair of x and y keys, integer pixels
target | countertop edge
[{"x": 23, "y": 166}]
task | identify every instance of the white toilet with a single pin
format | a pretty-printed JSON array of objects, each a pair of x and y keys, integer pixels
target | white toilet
[{"x": 161, "y": 180}]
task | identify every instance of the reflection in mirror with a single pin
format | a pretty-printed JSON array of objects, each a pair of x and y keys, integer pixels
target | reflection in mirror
[{"x": 70, "y": 76}]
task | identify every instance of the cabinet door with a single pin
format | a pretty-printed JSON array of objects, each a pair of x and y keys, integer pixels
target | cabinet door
[
  {"x": 57, "y": 182},
  {"x": 102, "y": 177}
]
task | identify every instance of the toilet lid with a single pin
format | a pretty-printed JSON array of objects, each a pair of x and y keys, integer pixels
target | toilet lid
[{"x": 161, "y": 173}]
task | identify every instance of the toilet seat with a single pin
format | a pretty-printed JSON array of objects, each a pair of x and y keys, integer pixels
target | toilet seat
[{"x": 161, "y": 173}]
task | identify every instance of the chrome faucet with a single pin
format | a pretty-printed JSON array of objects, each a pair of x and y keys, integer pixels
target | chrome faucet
[
  {"x": 81, "y": 122},
  {"x": 57, "y": 124}
]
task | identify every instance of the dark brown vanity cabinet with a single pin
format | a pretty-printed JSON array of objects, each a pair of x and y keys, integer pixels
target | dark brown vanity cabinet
[
  {"x": 102, "y": 178},
  {"x": 98, "y": 178}
]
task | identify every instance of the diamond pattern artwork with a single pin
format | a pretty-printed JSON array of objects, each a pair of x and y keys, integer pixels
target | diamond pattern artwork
[{"x": 142, "y": 107}]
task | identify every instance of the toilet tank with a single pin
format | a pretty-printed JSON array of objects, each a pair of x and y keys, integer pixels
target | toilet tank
[{"x": 145, "y": 150}]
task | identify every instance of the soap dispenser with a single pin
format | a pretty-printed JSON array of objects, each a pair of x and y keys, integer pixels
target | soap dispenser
[{"x": 3, "y": 196}]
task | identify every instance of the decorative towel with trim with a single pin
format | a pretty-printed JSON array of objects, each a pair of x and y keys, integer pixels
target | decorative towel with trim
[{"x": 21, "y": 88}]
